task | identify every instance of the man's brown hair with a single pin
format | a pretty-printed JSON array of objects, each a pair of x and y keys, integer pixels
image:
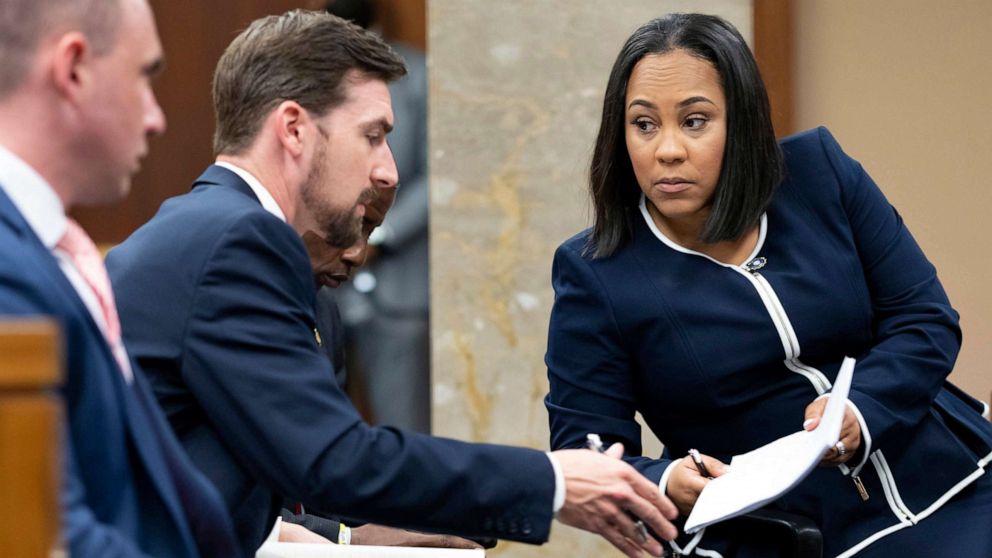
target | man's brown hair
[
  {"x": 300, "y": 56},
  {"x": 23, "y": 23}
]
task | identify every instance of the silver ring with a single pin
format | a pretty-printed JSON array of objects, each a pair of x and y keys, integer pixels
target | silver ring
[{"x": 841, "y": 448}]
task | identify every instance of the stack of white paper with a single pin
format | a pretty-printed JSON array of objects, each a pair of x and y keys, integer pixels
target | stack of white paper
[{"x": 762, "y": 475}]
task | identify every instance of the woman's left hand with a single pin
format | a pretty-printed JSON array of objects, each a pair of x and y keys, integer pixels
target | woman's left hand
[{"x": 850, "y": 433}]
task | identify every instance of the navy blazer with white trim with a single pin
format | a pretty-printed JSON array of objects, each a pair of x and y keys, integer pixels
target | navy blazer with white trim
[{"x": 690, "y": 344}]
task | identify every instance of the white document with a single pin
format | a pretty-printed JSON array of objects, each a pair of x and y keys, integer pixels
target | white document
[
  {"x": 272, "y": 548},
  {"x": 762, "y": 475}
]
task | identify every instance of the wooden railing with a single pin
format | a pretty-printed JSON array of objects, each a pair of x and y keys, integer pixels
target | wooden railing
[{"x": 30, "y": 411}]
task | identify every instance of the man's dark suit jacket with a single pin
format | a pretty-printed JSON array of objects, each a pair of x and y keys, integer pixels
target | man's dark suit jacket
[
  {"x": 128, "y": 488},
  {"x": 216, "y": 298}
]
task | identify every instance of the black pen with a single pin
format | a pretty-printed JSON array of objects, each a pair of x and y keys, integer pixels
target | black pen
[
  {"x": 700, "y": 466},
  {"x": 595, "y": 443}
]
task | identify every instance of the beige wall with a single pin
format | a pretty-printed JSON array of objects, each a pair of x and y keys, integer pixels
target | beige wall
[{"x": 906, "y": 86}]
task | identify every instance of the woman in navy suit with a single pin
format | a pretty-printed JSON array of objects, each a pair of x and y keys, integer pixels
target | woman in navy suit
[{"x": 723, "y": 281}]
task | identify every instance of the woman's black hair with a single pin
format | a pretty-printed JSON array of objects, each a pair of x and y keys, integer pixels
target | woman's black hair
[{"x": 752, "y": 161}]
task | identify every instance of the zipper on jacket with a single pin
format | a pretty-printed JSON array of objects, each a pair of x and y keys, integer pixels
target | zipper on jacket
[
  {"x": 861, "y": 487},
  {"x": 856, "y": 479},
  {"x": 896, "y": 504}
]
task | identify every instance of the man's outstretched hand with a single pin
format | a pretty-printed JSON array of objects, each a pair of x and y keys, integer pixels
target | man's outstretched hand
[{"x": 602, "y": 493}]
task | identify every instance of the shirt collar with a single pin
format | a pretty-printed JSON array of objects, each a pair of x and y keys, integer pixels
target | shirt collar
[
  {"x": 34, "y": 197},
  {"x": 263, "y": 195}
]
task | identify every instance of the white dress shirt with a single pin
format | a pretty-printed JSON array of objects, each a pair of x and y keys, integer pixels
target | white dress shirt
[{"x": 260, "y": 191}]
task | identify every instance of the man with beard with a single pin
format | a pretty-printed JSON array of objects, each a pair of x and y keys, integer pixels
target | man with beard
[
  {"x": 332, "y": 266},
  {"x": 216, "y": 296}
]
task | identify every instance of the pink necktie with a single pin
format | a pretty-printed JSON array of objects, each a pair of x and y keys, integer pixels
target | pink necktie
[{"x": 88, "y": 261}]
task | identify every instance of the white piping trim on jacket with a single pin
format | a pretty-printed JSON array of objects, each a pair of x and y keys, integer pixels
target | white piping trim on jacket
[
  {"x": 891, "y": 490},
  {"x": 903, "y": 523},
  {"x": 884, "y": 532},
  {"x": 985, "y": 410},
  {"x": 888, "y": 493},
  {"x": 780, "y": 319},
  {"x": 950, "y": 494},
  {"x": 762, "y": 231},
  {"x": 663, "y": 481},
  {"x": 784, "y": 326},
  {"x": 689, "y": 545},
  {"x": 865, "y": 438},
  {"x": 985, "y": 460},
  {"x": 783, "y": 336},
  {"x": 827, "y": 385},
  {"x": 820, "y": 382}
]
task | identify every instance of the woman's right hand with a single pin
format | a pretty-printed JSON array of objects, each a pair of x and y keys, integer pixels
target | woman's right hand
[{"x": 685, "y": 483}]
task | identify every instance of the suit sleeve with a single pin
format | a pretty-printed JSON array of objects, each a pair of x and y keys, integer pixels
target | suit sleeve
[
  {"x": 915, "y": 329},
  {"x": 591, "y": 385},
  {"x": 82, "y": 533},
  {"x": 251, "y": 359},
  {"x": 323, "y": 526}
]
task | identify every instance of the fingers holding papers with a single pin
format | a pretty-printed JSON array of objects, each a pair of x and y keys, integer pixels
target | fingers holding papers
[
  {"x": 606, "y": 496},
  {"x": 686, "y": 481},
  {"x": 850, "y": 433}
]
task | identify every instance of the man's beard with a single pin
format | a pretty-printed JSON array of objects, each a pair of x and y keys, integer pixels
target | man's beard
[{"x": 340, "y": 228}]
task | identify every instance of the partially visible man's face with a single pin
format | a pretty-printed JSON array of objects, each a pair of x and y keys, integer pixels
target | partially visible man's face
[
  {"x": 333, "y": 265},
  {"x": 122, "y": 111},
  {"x": 351, "y": 162}
]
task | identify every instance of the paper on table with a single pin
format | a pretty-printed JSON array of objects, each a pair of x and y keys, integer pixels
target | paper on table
[
  {"x": 762, "y": 475},
  {"x": 272, "y": 548}
]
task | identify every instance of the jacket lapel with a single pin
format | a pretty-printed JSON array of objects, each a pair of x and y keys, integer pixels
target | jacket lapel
[{"x": 48, "y": 266}]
